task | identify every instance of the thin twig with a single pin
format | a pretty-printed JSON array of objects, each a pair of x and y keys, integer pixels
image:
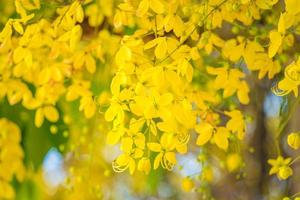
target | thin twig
[{"x": 181, "y": 43}]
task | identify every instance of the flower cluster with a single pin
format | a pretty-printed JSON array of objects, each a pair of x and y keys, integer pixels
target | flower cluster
[
  {"x": 156, "y": 102},
  {"x": 11, "y": 158},
  {"x": 43, "y": 61},
  {"x": 178, "y": 71},
  {"x": 280, "y": 40}
]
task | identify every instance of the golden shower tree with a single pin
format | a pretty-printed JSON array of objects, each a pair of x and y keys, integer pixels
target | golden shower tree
[{"x": 200, "y": 95}]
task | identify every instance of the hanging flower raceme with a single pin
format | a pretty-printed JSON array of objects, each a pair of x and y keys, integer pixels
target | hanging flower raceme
[
  {"x": 179, "y": 73},
  {"x": 11, "y": 158},
  {"x": 153, "y": 83}
]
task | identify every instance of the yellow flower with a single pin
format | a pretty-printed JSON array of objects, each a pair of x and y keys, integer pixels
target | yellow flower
[
  {"x": 285, "y": 172},
  {"x": 291, "y": 80},
  {"x": 229, "y": 81},
  {"x": 232, "y": 50},
  {"x": 275, "y": 43},
  {"x": 294, "y": 140},
  {"x": 157, "y": 6},
  {"x": 236, "y": 124},
  {"x": 257, "y": 60},
  {"x": 143, "y": 8},
  {"x": 266, "y": 4},
  {"x": 118, "y": 104},
  {"x": 144, "y": 165},
  {"x": 292, "y": 6},
  {"x": 207, "y": 132},
  {"x": 233, "y": 162},
  {"x": 11, "y": 156},
  {"x": 153, "y": 106},
  {"x": 114, "y": 135},
  {"x": 165, "y": 157},
  {"x": 6, "y": 190},
  {"x": 123, "y": 162},
  {"x": 187, "y": 184},
  {"x": 280, "y": 166},
  {"x": 48, "y": 112},
  {"x": 286, "y": 20},
  {"x": 207, "y": 174}
]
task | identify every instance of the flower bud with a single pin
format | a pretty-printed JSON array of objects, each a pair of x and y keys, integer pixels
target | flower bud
[
  {"x": 233, "y": 162},
  {"x": 294, "y": 140},
  {"x": 285, "y": 172},
  {"x": 187, "y": 184},
  {"x": 144, "y": 165}
]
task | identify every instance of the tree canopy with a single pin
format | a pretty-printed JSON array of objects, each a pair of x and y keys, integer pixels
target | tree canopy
[{"x": 138, "y": 99}]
